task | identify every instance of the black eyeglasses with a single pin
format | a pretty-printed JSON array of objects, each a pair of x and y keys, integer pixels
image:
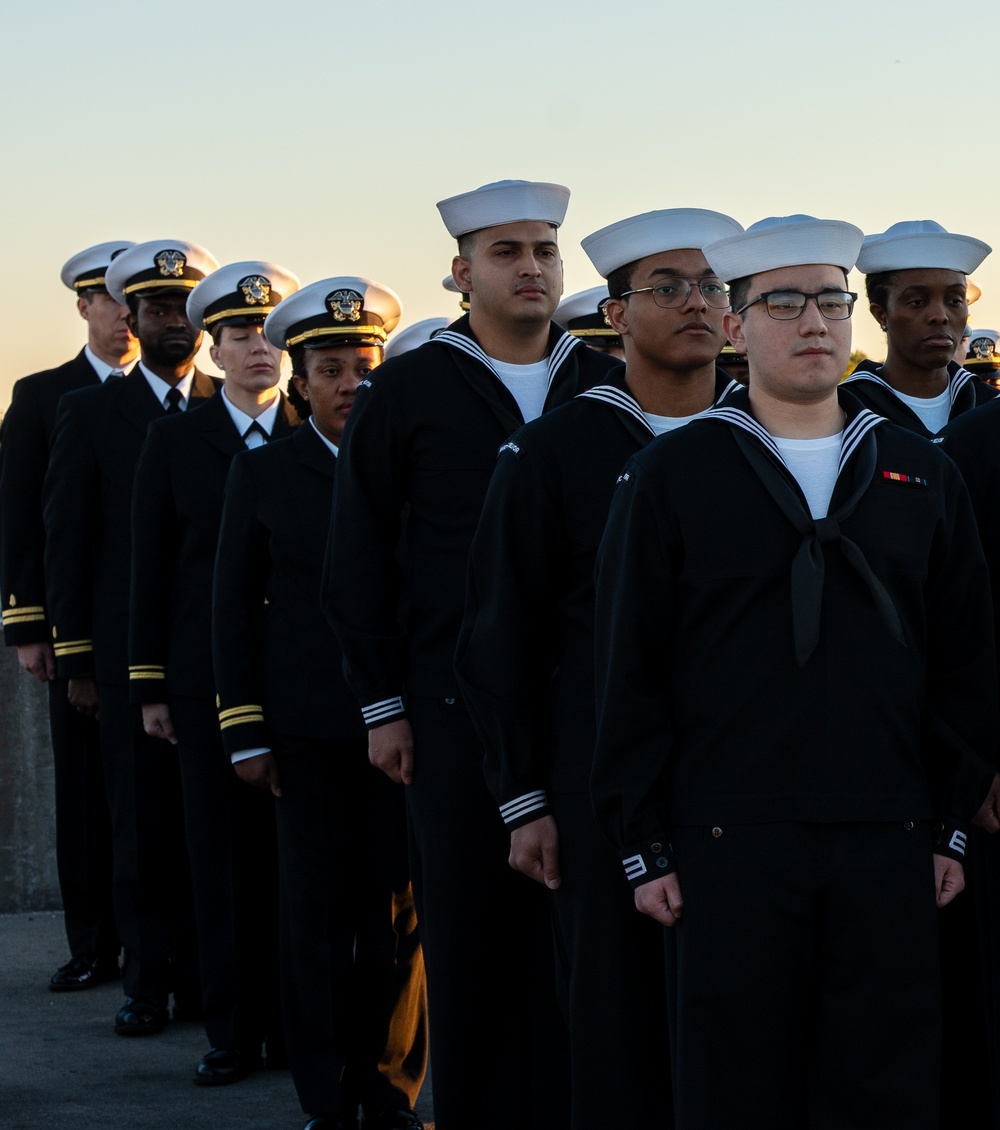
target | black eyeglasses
[
  {"x": 787, "y": 305},
  {"x": 673, "y": 291}
]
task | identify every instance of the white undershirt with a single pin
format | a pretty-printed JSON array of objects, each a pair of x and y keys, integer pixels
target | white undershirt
[
  {"x": 814, "y": 464},
  {"x": 528, "y": 384},
  {"x": 663, "y": 424},
  {"x": 933, "y": 412}
]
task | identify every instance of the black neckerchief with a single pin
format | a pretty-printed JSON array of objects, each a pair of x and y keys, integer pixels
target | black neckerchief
[{"x": 854, "y": 474}]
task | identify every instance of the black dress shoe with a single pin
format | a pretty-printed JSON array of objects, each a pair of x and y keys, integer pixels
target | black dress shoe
[
  {"x": 84, "y": 973},
  {"x": 324, "y": 1122},
  {"x": 140, "y": 1017},
  {"x": 218, "y": 1067},
  {"x": 394, "y": 1120}
]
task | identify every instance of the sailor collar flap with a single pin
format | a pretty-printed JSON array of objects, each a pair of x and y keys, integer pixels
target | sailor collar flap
[
  {"x": 959, "y": 378},
  {"x": 855, "y": 470},
  {"x": 619, "y": 397},
  {"x": 461, "y": 343}
]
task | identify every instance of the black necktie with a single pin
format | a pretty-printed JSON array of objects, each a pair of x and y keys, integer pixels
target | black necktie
[
  {"x": 114, "y": 375},
  {"x": 258, "y": 428},
  {"x": 174, "y": 398}
]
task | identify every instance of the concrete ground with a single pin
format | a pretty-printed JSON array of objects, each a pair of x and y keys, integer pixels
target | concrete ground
[{"x": 61, "y": 1064}]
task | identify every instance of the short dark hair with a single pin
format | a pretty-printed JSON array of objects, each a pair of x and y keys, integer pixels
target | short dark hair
[
  {"x": 739, "y": 292},
  {"x": 877, "y": 287},
  {"x": 302, "y": 406},
  {"x": 620, "y": 279},
  {"x": 297, "y": 356},
  {"x": 467, "y": 245}
]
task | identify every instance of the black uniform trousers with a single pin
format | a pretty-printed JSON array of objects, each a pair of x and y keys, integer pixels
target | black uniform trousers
[
  {"x": 152, "y": 882},
  {"x": 495, "y": 1028},
  {"x": 609, "y": 965},
  {"x": 806, "y": 994},
  {"x": 229, "y": 830},
  {"x": 352, "y": 981},
  {"x": 83, "y": 829}
]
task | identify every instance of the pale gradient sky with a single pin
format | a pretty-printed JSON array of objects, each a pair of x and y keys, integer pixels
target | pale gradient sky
[{"x": 320, "y": 134}]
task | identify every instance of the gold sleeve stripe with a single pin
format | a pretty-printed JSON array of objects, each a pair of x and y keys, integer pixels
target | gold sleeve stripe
[
  {"x": 74, "y": 647},
  {"x": 23, "y": 615},
  {"x": 241, "y": 721},
  {"x": 140, "y": 675},
  {"x": 147, "y": 667},
  {"x": 254, "y": 707}
]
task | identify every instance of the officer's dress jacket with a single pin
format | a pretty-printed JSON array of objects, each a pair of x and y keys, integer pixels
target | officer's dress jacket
[
  {"x": 25, "y": 444},
  {"x": 88, "y": 507},
  {"x": 278, "y": 665},
  {"x": 966, "y": 390},
  {"x": 525, "y": 657},
  {"x": 707, "y": 715},
  {"x": 421, "y": 441},
  {"x": 180, "y": 484}
]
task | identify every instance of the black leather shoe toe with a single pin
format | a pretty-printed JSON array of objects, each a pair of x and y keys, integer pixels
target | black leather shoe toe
[
  {"x": 324, "y": 1122},
  {"x": 140, "y": 1017},
  {"x": 218, "y": 1067},
  {"x": 84, "y": 973}
]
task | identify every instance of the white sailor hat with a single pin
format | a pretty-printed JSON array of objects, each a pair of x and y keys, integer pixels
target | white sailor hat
[
  {"x": 239, "y": 294},
  {"x": 784, "y": 241},
  {"x": 158, "y": 265},
  {"x": 668, "y": 229},
  {"x": 504, "y": 202},
  {"x": 450, "y": 285},
  {"x": 582, "y": 314},
  {"x": 417, "y": 334},
  {"x": 86, "y": 269},
  {"x": 983, "y": 343},
  {"x": 345, "y": 310},
  {"x": 913, "y": 244}
]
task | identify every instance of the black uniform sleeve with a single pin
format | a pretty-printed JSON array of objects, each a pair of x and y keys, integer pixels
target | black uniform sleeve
[
  {"x": 963, "y": 719},
  {"x": 504, "y": 654},
  {"x": 634, "y": 621},
  {"x": 361, "y": 585},
  {"x": 24, "y": 457},
  {"x": 238, "y": 593},
  {"x": 154, "y": 557},
  {"x": 72, "y": 516}
]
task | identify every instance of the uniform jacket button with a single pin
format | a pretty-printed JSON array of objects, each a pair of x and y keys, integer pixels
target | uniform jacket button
[{"x": 716, "y": 832}]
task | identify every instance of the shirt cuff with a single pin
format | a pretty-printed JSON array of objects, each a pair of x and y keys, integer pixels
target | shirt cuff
[
  {"x": 524, "y": 809},
  {"x": 653, "y": 861},
  {"x": 246, "y": 754},
  {"x": 378, "y": 713}
]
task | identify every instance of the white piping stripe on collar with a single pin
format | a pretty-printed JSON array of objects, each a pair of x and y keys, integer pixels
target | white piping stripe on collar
[
  {"x": 854, "y": 432},
  {"x": 564, "y": 345},
  {"x": 956, "y": 381},
  {"x": 617, "y": 399}
]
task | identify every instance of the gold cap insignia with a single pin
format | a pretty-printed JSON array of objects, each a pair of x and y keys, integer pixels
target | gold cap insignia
[
  {"x": 171, "y": 263},
  {"x": 345, "y": 305},
  {"x": 256, "y": 290}
]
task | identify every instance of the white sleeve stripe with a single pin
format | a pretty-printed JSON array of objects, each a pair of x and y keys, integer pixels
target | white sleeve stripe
[
  {"x": 384, "y": 709},
  {"x": 957, "y": 842},
  {"x": 634, "y": 867},
  {"x": 522, "y": 805}
]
